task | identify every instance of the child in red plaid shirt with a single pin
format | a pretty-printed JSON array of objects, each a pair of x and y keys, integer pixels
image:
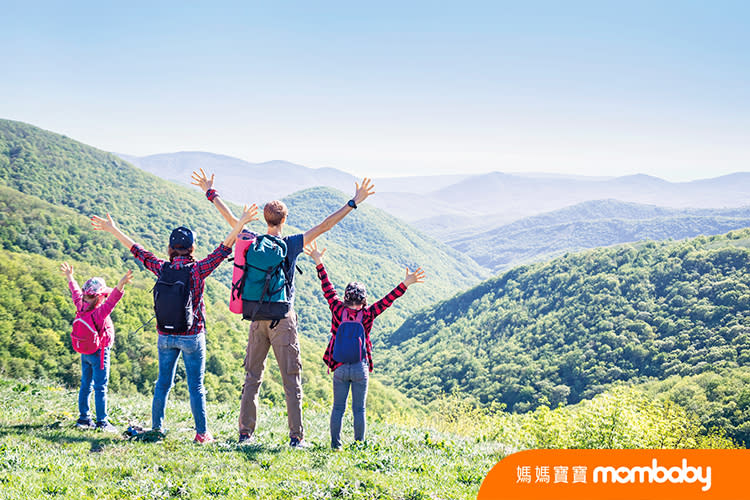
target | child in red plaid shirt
[{"x": 355, "y": 374}]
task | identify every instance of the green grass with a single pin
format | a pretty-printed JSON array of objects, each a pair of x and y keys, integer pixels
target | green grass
[{"x": 43, "y": 456}]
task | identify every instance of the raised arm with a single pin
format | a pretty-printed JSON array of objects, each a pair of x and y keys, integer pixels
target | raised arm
[
  {"x": 249, "y": 214},
  {"x": 212, "y": 261},
  {"x": 329, "y": 292},
  {"x": 150, "y": 261},
  {"x": 75, "y": 290},
  {"x": 105, "y": 309},
  {"x": 417, "y": 276},
  {"x": 201, "y": 180},
  {"x": 360, "y": 194},
  {"x": 109, "y": 226}
]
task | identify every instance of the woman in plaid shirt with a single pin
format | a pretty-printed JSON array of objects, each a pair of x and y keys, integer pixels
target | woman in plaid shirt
[
  {"x": 354, "y": 375},
  {"x": 192, "y": 343}
]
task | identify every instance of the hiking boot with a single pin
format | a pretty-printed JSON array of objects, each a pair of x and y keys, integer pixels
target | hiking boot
[
  {"x": 246, "y": 438},
  {"x": 204, "y": 438},
  {"x": 105, "y": 426},
  {"x": 298, "y": 443},
  {"x": 84, "y": 423}
]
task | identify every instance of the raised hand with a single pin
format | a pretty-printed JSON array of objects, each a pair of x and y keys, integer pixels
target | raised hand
[
  {"x": 127, "y": 278},
  {"x": 249, "y": 214},
  {"x": 363, "y": 191},
  {"x": 202, "y": 181},
  {"x": 103, "y": 224},
  {"x": 418, "y": 276},
  {"x": 312, "y": 250},
  {"x": 109, "y": 226},
  {"x": 67, "y": 270}
]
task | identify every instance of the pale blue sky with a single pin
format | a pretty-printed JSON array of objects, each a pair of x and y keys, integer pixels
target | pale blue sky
[{"x": 393, "y": 88}]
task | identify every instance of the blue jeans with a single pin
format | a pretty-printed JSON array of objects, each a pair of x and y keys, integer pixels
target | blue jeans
[
  {"x": 354, "y": 375},
  {"x": 193, "y": 349},
  {"x": 92, "y": 375}
]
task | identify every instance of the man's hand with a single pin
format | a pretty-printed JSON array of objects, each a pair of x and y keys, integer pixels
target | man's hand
[
  {"x": 127, "y": 278},
  {"x": 104, "y": 224},
  {"x": 249, "y": 214},
  {"x": 67, "y": 270},
  {"x": 202, "y": 181},
  {"x": 312, "y": 250},
  {"x": 417, "y": 276},
  {"x": 363, "y": 191}
]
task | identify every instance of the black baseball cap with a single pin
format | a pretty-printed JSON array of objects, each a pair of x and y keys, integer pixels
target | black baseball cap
[{"x": 181, "y": 237}]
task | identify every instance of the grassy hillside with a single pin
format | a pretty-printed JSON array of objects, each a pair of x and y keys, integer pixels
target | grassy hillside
[
  {"x": 43, "y": 456},
  {"x": 443, "y": 455},
  {"x": 590, "y": 225},
  {"x": 562, "y": 331}
]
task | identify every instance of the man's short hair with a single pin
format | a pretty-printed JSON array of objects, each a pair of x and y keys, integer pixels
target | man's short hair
[{"x": 275, "y": 212}]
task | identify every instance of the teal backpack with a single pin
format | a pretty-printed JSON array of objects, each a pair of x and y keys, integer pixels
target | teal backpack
[{"x": 262, "y": 285}]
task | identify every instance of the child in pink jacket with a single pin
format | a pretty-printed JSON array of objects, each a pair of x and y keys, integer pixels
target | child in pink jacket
[{"x": 96, "y": 296}]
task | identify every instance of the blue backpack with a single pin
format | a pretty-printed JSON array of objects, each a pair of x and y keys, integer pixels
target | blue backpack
[{"x": 349, "y": 346}]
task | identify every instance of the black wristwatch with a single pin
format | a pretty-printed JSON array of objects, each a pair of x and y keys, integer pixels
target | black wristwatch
[{"x": 351, "y": 203}]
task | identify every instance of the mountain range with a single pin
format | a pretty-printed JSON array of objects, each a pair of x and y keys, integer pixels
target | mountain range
[
  {"x": 587, "y": 225},
  {"x": 499, "y": 197}
]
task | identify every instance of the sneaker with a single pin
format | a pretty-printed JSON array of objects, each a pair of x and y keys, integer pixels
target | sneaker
[
  {"x": 204, "y": 438},
  {"x": 246, "y": 438},
  {"x": 84, "y": 423},
  {"x": 105, "y": 426},
  {"x": 298, "y": 443}
]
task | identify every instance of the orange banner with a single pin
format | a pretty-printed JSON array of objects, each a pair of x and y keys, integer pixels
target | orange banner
[{"x": 620, "y": 475}]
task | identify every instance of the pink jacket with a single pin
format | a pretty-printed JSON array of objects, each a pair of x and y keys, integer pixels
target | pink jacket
[{"x": 101, "y": 313}]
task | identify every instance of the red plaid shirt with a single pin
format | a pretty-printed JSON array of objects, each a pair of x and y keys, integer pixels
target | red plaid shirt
[
  {"x": 201, "y": 270},
  {"x": 369, "y": 314}
]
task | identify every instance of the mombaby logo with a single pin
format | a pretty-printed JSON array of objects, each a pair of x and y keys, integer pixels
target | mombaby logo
[
  {"x": 655, "y": 474},
  {"x": 647, "y": 474}
]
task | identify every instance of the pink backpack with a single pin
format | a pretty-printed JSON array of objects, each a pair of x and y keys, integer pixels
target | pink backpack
[{"x": 86, "y": 337}]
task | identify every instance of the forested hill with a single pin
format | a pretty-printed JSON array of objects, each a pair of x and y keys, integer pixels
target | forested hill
[
  {"x": 589, "y": 225},
  {"x": 67, "y": 173},
  {"x": 561, "y": 331}
]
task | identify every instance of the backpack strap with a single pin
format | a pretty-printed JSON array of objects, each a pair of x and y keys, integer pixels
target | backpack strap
[
  {"x": 344, "y": 315},
  {"x": 101, "y": 358},
  {"x": 347, "y": 317},
  {"x": 240, "y": 285},
  {"x": 100, "y": 334}
]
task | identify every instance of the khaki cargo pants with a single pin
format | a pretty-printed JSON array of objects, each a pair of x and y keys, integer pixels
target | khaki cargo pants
[{"x": 285, "y": 345}]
